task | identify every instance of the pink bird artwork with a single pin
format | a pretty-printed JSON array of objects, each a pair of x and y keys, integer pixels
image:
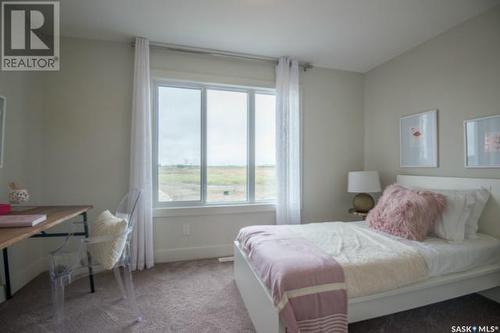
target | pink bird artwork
[
  {"x": 492, "y": 142},
  {"x": 416, "y": 132}
]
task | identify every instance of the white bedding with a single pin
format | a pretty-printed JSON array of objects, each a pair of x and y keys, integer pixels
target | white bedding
[
  {"x": 444, "y": 257},
  {"x": 374, "y": 261}
]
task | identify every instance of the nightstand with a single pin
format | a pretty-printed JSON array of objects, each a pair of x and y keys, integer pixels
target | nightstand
[{"x": 352, "y": 211}]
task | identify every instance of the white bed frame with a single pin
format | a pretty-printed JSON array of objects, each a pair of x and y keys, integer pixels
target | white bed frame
[{"x": 265, "y": 316}]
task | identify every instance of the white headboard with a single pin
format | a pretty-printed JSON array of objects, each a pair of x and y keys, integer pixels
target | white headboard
[{"x": 490, "y": 220}]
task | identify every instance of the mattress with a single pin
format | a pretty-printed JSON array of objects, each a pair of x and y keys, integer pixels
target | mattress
[{"x": 444, "y": 257}]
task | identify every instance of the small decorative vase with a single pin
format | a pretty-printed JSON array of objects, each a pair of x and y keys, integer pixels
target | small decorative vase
[{"x": 17, "y": 194}]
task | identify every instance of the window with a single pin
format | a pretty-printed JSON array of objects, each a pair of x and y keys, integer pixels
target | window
[
  {"x": 179, "y": 144},
  {"x": 213, "y": 144}
]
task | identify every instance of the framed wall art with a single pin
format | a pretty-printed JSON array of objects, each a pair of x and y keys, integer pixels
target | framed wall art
[
  {"x": 419, "y": 140},
  {"x": 482, "y": 142}
]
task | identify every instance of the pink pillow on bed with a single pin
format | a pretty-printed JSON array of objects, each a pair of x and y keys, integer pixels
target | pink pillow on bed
[{"x": 407, "y": 213}]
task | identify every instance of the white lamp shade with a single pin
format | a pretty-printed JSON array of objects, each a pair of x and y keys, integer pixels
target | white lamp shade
[{"x": 363, "y": 182}]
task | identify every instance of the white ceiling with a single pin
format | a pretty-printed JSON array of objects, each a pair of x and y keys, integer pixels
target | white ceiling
[{"x": 352, "y": 35}]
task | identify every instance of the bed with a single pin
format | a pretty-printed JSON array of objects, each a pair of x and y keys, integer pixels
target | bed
[{"x": 454, "y": 269}]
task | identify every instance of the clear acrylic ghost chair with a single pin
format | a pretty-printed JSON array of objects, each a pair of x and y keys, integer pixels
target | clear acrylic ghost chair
[{"x": 68, "y": 263}]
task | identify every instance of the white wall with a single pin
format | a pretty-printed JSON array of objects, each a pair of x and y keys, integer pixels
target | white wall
[
  {"x": 22, "y": 161},
  {"x": 333, "y": 141},
  {"x": 458, "y": 73},
  {"x": 86, "y": 125}
]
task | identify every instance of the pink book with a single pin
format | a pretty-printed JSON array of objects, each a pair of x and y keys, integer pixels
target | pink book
[{"x": 14, "y": 221}]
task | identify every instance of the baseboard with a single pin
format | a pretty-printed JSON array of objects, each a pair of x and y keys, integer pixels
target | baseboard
[
  {"x": 493, "y": 294},
  {"x": 21, "y": 277},
  {"x": 192, "y": 253}
]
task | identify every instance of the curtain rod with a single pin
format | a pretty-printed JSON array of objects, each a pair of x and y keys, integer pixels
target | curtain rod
[{"x": 219, "y": 53}]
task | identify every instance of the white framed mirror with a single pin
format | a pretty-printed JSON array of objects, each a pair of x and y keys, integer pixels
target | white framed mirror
[{"x": 3, "y": 106}]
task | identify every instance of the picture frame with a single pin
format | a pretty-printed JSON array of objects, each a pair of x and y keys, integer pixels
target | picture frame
[
  {"x": 418, "y": 135},
  {"x": 3, "y": 110},
  {"x": 482, "y": 142}
]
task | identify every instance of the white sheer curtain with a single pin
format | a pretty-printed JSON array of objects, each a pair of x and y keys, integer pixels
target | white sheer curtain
[
  {"x": 140, "y": 158},
  {"x": 288, "y": 142}
]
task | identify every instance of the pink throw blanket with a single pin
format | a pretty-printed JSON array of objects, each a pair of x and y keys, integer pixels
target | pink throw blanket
[{"x": 307, "y": 285}]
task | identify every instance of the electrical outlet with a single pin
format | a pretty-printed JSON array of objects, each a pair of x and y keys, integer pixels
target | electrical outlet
[{"x": 186, "y": 229}]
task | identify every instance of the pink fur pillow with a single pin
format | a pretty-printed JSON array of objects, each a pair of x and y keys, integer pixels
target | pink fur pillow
[{"x": 407, "y": 213}]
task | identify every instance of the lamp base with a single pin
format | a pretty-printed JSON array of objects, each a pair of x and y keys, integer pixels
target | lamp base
[{"x": 363, "y": 202}]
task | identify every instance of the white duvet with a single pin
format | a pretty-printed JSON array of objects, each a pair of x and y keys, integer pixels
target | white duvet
[{"x": 372, "y": 262}]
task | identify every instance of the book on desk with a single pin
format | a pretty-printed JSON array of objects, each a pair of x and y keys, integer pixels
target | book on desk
[{"x": 15, "y": 221}]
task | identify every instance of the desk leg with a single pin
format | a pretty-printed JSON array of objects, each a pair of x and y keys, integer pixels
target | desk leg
[
  {"x": 8, "y": 293},
  {"x": 91, "y": 274}
]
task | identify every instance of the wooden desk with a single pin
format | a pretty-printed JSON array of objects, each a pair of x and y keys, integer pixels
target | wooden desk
[{"x": 55, "y": 215}]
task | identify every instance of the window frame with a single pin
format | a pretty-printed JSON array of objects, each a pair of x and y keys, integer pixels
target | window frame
[{"x": 203, "y": 87}]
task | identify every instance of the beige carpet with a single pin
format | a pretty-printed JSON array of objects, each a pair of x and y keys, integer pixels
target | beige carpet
[{"x": 196, "y": 297}]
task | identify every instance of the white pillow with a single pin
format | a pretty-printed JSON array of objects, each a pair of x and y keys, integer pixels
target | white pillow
[
  {"x": 481, "y": 197},
  {"x": 108, "y": 253},
  {"x": 460, "y": 205}
]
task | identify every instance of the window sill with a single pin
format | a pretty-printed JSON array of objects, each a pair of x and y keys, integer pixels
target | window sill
[{"x": 213, "y": 210}]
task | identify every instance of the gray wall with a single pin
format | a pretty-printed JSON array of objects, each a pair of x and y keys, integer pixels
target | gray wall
[
  {"x": 333, "y": 141},
  {"x": 87, "y": 123},
  {"x": 458, "y": 73},
  {"x": 22, "y": 161}
]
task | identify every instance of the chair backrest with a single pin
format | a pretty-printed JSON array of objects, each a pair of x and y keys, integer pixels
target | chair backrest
[
  {"x": 62, "y": 260},
  {"x": 127, "y": 208}
]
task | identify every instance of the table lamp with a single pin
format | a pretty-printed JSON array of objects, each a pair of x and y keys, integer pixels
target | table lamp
[{"x": 362, "y": 183}]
